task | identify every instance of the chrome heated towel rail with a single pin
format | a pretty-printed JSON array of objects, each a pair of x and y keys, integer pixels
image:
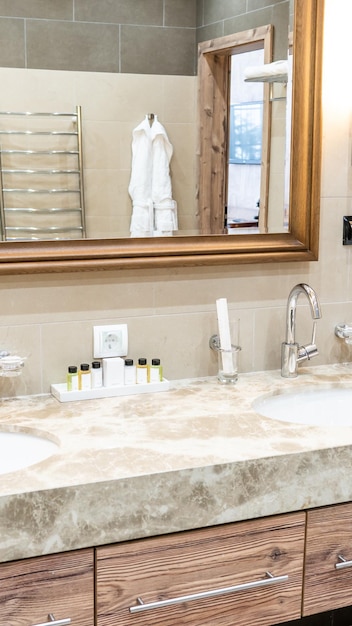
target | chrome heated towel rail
[{"x": 41, "y": 176}]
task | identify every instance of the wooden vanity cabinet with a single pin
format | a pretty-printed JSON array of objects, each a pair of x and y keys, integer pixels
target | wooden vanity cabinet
[
  {"x": 328, "y": 562},
  {"x": 217, "y": 576},
  {"x": 46, "y": 588},
  {"x": 242, "y": 573}
]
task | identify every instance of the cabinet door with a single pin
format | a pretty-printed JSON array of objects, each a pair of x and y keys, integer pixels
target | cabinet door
[
  {"x": 45, "y": 588},
  {"x": 328, "y": 579},
  {"x": 245, "y": 573}
]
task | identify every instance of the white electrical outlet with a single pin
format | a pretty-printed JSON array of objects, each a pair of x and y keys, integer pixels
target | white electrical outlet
[{"x": 110, "y": 341}]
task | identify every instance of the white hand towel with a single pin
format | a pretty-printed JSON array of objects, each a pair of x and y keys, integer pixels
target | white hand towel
[{"x": 269, "y": 72}]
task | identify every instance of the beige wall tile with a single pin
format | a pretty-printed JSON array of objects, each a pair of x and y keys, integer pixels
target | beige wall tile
[
  {"x": 179, "y": 99},
  {"x": 101, "y": 145},
  {"x": 24, "y": 340},
  {"x": 23, "y": 90}
]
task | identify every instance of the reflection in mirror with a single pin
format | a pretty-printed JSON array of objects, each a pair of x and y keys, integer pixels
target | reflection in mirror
[
  {"x": 245, "y": 142},
  {"x": 258, "y": 158},
  {"x": 271, "y": 44},
  {"x": 108, "y": 244},
  {"x": 41, "y": 176},
  {"x": 110, "y": 112}
]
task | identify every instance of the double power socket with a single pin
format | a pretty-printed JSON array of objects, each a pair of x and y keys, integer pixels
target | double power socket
[{"x": 110, "y": 341}]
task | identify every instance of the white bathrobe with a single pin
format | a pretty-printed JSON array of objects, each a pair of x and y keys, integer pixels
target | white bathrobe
[{"x": 154, "y": 211}]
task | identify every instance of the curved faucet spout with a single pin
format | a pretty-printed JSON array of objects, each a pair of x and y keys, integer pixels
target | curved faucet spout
[
  {"x": 291, "y": 308},
  {"x": 291, "y": 352}
]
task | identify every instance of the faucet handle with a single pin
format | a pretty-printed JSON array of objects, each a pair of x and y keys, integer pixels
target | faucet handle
[
  {"x": 310, "y": 351},
  {"x": 307, "y": 352}
]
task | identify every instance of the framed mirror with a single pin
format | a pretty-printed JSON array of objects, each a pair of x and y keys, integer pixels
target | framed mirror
[{"x": 298, "y": 243}]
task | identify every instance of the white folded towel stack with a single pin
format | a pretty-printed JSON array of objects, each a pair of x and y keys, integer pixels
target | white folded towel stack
[{"x": 276, "y": 72}]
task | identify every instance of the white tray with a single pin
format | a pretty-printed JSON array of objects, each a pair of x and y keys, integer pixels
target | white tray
[{"x": 59, "y": 391}]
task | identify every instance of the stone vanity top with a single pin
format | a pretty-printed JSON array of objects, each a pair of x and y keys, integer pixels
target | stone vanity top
[{"x": 196, "y": 455}]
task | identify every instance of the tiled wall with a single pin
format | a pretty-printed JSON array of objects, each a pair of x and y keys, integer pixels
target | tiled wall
[
  {"x": 133, "y": 50},
  {"x": 112, "y": 105},
  {"x": 130, "y": 36},
  {"x": 216, "y": 19},
  {"x": 172, "y": 314}
]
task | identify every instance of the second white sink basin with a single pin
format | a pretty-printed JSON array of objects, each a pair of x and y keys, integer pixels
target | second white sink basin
[
  {"x": 22, "y": 449},
  {"x": 318, "y": 407}
]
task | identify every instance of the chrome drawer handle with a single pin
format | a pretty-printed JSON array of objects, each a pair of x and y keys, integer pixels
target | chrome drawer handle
[
  {"x": 55, "y": 622},
  {"x": 343, "y": 562},
  {"x": 269, "y": 580}
]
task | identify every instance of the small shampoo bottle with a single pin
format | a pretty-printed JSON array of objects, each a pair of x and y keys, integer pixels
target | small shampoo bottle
[
  {"x": 84, "y": 377},
  {"x": 97, "y": 375},
  {"x": 129, "y": 372},
  {"x": 142, "y": 372},
  {"x": 155, "y": 371},
  {"x": 72, "y": 378}
]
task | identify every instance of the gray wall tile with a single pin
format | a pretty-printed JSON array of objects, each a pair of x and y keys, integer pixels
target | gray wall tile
[
  {"x": 12, "y": 43},
  {"x": 211, "y": 31},
  {"x": 200, "y": 13},
  {"x": 157, "y": 36},
  {"x": 54, "y": 10},
  {"x": 72, "y": 46},
  {"x": 281, "y": 17},
  {"x": 215, "y": 10},
  {"x": 181, "y": 13},
  {"x": 254, "y": 5},
  {"x": 247, "y": 21},
  {"x": 147, "y": 12},
  {"x": 153, "y": 50}
]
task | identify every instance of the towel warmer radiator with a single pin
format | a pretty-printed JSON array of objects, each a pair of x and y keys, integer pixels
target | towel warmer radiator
[{"x": 46, "y": 150}]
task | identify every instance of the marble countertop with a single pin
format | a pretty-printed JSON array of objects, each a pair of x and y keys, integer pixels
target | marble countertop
[{"x": 193, "y": 456}]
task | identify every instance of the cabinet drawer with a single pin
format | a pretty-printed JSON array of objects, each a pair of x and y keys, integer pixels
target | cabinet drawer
[
  {"x": 61, "y": 585},
  {"x": 329, "y": 534},
  {"x": 228, "y": 561}
]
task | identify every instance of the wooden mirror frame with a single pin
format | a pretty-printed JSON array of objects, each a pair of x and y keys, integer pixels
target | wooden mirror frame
[{"x": 299, "y": 244}]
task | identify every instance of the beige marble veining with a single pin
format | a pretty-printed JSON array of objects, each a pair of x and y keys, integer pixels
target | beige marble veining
[{"x": 194, "y": 456}]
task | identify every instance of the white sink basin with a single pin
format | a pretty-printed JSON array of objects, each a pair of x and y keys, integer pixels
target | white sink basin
[
  {"x": 21, "y": 449},
  {"x": 318, "y": 407}
]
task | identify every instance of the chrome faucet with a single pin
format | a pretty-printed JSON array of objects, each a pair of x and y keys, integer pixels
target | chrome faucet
[{"x": 291, "y": 352}]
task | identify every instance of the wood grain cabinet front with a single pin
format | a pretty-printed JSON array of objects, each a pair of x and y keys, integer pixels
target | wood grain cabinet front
[
  {"x": 56, "y": 589},
  {"x": 328, "y": 563},
  {"x": 243, "y": 573}
]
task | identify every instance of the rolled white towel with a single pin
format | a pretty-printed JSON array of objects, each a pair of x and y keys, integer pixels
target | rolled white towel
[{"x": 267, "y": 73}]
